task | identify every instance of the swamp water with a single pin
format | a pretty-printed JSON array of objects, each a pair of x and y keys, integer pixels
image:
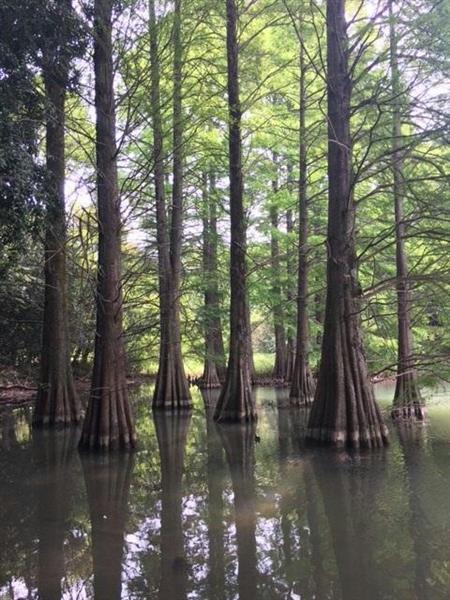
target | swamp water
[{"x": 219, "y": 513}]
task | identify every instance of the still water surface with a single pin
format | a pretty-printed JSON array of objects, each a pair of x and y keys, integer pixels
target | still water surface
[{"x": 218, "y": 513}]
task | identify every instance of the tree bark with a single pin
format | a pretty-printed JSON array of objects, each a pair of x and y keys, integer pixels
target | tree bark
[
  {"x": 109, "y": 420},
  {"x": 57, "y": 402},
  {"x": 302, "y": 385},
  {"x": 344, "y": 410},
  {"x": 290, "y": 297},
  {"x": 279, "y": 371},
  {"x": 236, "y": 402},
  {"x": 214, "y": 365},
  {"x": 408, "y": 402},
  {"x": 171, "y": 389}
]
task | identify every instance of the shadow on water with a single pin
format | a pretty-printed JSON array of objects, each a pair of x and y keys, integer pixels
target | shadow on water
[{"x": 208, "y": 511}]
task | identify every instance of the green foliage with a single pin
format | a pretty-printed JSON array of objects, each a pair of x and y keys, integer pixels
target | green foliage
[{"x": 271, "y": 35}]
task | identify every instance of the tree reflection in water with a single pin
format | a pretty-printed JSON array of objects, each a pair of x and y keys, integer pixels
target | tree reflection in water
[
  {"x": 412, "y": 437},
  {"x": 216, "y": 515},
  {"x": 348, "y": 483},
  {"x": 8, "y": 437},
  {"x": 301, "y": 518},
  {"x": 172, "y": 431},
  {"x": 239, "y": 443},
  {"x": 107, "y": 478},
  {"x": 55, "y": 456},
  {"x": 215, "y": 485}
]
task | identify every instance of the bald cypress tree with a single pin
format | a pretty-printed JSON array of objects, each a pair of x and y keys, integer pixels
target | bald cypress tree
[
  {"x": 279, "y": 370},
  {"x": 57, "y": 402},
  {"x": 236, "y": 402},
  {"x": 214, "y": 362},
  {"x": 172, "y": 389},
  {"x": 344, "y": 410},
  {"x": 302, "y": 384},
  {"x": 109, "y": 421},
  {"x": 408, "y": 402}
]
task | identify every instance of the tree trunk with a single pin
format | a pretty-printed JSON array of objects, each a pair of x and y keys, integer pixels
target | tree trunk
[
  {"x": 219, "y": 348},
  {"x": 239, "y": 444},
  {"x": 109, "y": 421},
  {"x": 302, "y": 386},
  {"x": 408, "y": 402},
  {"x": 290, "y": 296},
  {"x": 171, "y": 389},
  {"x": 279, "y": 371},
  {"x": 57, "y": 402},
  {"x": 108, "y": 481},
  {"x": 171, "y": 431},
  {"x": 251, "y": 358},
  {"x": 236, "y": 402},
  {"x": 344, "y": 410},
  {"x": 214, "y": 365}
]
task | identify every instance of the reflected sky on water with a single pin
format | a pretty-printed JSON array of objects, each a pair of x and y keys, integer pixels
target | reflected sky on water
[{"x": 226, "y": 512}]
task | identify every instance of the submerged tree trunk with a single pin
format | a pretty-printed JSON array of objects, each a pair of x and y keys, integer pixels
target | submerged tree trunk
[
  {"x": 108, "y": 481},
  {"x": 171, "y": 389},
  {"x": 109, "y": 421},
  {"x": 279, "y": 371},
  {"x": 302, "y": 387},
  {"x": 214, "y": 365},
  {"x": 408, "y": 402},
  {"x": 344, "y": 410},
  {"x": 57, "y": 402},
  {"x": 236, "y": 402},
  {"x": 171, "y": 431}
]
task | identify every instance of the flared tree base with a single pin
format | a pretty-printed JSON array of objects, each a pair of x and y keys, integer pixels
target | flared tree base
[
  {"x": 302, "y": 387},
  {"x": 57, "y": 403},
  {"x": 408, "y": 402},
  {"x": 203, "y": 384},
  {"x": 109, "y": 422},
  {"x": 172, "y": 388},
  {"x": 344, "y": 411},
  {"x": 210, "y": 378},
  {"x": 375, "y": 437},
  {"x": 235, "y": 403}
]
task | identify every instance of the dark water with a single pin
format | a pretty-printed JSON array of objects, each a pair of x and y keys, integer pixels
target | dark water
[{"x": 217, "y": 513}]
